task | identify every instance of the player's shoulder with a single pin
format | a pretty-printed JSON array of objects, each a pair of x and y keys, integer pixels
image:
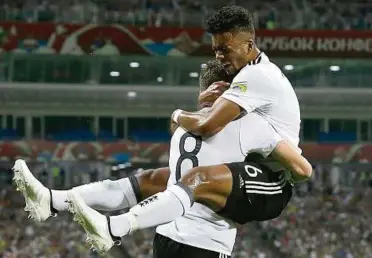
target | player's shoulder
[
  {"x": 178, "y": 132},
  {"x": 254, "y": 70},
  {"x": 256, "y": 73}
]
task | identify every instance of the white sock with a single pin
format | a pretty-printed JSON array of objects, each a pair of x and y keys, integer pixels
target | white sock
[
  {"x": 120, "y": 225},
  {"x": 59, "y": 200},
  {"x": 158, "y": 209},
  {"x": 105, "y": 195}
]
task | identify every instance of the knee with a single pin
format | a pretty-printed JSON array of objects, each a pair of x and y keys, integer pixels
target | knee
[
  {"x": 158, "y": 177},
  {"x": 145, "y": 175},
  {"x": 152, "y": 181},
  {"x": 209, "y": 185},
  {"x": 196, "y": 178},
  {"x": 110, "y": 184},
  {"x": 209, "y": 177}
]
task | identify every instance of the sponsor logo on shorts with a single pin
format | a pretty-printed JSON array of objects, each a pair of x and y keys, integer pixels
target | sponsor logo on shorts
[{"x": 241, "y": 181}]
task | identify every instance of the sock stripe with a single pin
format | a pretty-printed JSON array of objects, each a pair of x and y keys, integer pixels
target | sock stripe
[
  {"x": 136, "y": 188},
  {"x": 114, "y": 238},
  {"x": 53, "y": 211},
  {"x": 187, "y": 190}
]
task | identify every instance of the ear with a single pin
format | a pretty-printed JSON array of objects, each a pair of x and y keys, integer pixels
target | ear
[{"x": 250, "y": 45}]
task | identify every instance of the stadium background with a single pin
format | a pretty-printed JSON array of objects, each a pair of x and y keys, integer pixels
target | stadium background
[{"x": 85, "y": 85}]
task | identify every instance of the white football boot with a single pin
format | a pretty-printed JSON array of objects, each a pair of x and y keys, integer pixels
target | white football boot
[
  {"x": 37, "y": 196},
  {"x": 94, "y": 223}
]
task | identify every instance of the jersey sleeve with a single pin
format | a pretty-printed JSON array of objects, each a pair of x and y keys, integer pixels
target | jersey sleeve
[
  {"x": 250, "y": 90},
  {"x": 257, "y": 135}
]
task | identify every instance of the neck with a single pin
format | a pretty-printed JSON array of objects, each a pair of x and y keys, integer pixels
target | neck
[{"x": 253, "y": 55}]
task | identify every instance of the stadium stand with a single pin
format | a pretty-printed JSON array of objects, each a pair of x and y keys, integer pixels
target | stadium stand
[{"x": 291, "y": 14}]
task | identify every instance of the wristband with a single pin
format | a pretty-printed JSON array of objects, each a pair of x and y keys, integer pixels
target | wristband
[{"x": 176, "y": 114}]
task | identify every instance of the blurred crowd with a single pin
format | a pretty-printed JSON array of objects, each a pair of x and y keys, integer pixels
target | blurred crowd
[
  {"x": 314, "y": 225},
  {"x": 269, "y": 14},
  {"x": 22, "y": 238},
  {"x": 329, "y": 216},
  {"x": 317, "y": 226}
]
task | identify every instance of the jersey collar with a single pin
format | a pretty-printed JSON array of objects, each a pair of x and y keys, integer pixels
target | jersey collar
[{"x": 257, "y": 60}]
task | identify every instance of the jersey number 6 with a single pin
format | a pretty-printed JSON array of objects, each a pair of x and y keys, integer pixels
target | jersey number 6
[
  {"x": 252, "y": 171},
  {"x": 190, "y": 155}
]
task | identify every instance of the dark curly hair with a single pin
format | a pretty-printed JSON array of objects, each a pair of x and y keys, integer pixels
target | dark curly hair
[
  {"x": 230, "y": 19},
  {"x": 211, "y": 72}
]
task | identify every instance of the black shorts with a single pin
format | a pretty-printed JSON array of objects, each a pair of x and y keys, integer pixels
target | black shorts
[
  {"x": 165, "y": 247},
  {"x": 260, "y": 191}
]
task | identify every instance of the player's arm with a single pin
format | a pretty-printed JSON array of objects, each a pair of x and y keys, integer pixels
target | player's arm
[
  {"x": 300, "y": 168},
  {"x": 208, "y": 122},
  {"x": 172, "y": 127},
  {"x": 241, "y": 96}
]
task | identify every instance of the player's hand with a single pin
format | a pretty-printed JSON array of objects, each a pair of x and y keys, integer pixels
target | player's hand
[{"x": 209, "y": 96}]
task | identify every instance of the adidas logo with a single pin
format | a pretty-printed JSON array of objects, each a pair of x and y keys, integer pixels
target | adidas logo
[
  {"x": 241, "y": 181},
  {"x": 148, "y": 200}
]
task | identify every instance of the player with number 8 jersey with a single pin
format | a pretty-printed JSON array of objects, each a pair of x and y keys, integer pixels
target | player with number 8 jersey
[{"x": 201, "y": 226}]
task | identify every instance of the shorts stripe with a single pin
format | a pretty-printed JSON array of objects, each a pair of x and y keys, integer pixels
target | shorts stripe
[
  {"x": 266, "y": 190},
  {"x": 223, "y": 256},
  {"x": 279, "y": 185},
  {"x": 265, "y": 193}
]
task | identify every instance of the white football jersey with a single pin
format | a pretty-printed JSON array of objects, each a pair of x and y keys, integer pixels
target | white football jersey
[
  {"x": 262, "y": 88},
  {"x": 200, "y": 226}
]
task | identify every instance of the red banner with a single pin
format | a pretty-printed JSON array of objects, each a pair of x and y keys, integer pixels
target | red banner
[
  {"x": 322, "y": 44},
  {"x": 119, "y": 39},
  {"x": 152, "y": 152}
]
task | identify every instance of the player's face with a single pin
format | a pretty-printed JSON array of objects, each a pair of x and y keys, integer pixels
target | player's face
[{"x": 232, "y": 50}]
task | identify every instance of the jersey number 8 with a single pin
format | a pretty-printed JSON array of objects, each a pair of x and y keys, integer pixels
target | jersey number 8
[{"x": 188, "y": 155}]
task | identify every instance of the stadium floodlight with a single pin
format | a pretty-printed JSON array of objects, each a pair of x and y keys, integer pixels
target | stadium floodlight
[
  {"x": 132, "y": 94},
  {"x": 114, "y": 74},
  {"x": 134, "y": 64},
  {"x": 194, "y": 74},
  {"x": 288, "y": 67},
  {"x": 334, "y": 68}
]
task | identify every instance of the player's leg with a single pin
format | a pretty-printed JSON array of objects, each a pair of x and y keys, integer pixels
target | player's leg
[
  {"x": 221, "y": 187},
  {"x": 210, "y": 185},
  {"x": 105, "y": 195},
  {"x": 109, "y": 195}
]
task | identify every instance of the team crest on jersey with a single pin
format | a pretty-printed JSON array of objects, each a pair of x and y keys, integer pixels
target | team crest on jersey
[{"x": 239, "y": 86}]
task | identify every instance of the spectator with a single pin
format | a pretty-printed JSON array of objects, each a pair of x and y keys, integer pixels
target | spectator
[{"x": 291, "y": 14}]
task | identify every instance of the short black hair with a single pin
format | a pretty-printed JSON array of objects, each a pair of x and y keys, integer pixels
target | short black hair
[
  {"x": 211, "y": 72},
  {"x": 231, "y": 18}
]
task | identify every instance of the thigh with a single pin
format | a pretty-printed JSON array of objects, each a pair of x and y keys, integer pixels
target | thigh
[
  {"x": 259, "y": 192},
  {"x": 210, "y": 185},
  {"x": 165, "y": 247}
]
